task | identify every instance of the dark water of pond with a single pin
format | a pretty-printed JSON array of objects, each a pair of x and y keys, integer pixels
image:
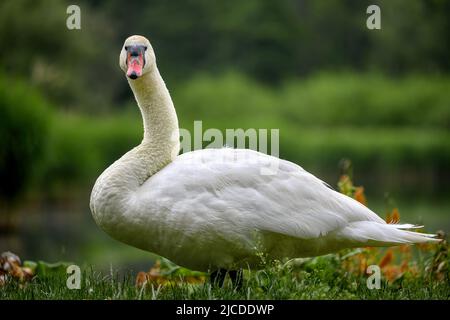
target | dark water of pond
[{"x": 68, "y": 233}]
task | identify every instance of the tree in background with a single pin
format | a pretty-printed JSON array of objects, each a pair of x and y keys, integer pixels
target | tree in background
[{"x": 267, "y": 40}]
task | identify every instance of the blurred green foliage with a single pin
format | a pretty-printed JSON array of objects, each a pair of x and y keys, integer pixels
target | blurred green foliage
[
  {"x": 269, "y": 41},
  {"x": 82, "y": 147},
  {"x": 24, "y": 122},
  {"x": 369, "y": 100},
  {"x": 318, "y": 127},
  {"x": 323, "y": 100},
  {"x": 72, "y": 69},
  {"x": 272, "y": 40},
  {"x": 310, "y": 68}
]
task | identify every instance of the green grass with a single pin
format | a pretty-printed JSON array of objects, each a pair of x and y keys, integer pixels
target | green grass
[{"x": 326, "y": 277}]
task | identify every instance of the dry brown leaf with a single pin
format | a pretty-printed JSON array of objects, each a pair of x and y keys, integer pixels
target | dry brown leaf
[
  {"x": 154, "y": 276},
  {"x": 359, "y": 195},
  {"x": 141, "y": 279},
  {"x": 388, "y": 257},
  {"x": 10, "y": 266},
  {"x": 393, "y": 217},
  {"x": 392, "y": 273}
]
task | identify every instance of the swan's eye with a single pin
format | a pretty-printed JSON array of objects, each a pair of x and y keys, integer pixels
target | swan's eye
[
  {"x": 126, "y": 48},
  {"x": 145, "y": 48}
]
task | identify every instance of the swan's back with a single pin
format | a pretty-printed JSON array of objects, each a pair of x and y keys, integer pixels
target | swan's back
[
  {"x": 213, "y": 207},
  {"x": 228, "y": 183}
]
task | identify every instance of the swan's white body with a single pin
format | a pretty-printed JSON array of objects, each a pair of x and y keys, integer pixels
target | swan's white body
[{"x": 213, "y": 208}]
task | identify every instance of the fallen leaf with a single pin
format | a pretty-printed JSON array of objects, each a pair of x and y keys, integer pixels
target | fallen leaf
[
  {"x": 10, "y": 266},
  {"x": 386, "y": 259},
  {"x": 393, "y": 217},
  {"x": 168, "y": 274},
  {"x": 359, "y": 195}
]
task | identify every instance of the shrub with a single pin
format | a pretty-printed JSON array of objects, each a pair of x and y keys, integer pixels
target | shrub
[
  {"x": 80, "y": 148},
  {"x": 24, "y": 122}
]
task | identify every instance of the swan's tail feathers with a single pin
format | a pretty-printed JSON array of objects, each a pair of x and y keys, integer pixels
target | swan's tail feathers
[{"x": 377, "y": 234}]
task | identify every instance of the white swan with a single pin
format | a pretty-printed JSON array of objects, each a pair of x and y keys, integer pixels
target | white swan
[{"x": 212, "y": 209}]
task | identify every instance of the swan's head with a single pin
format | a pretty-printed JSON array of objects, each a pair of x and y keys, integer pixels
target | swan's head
[{"x": 137, "y": 57}]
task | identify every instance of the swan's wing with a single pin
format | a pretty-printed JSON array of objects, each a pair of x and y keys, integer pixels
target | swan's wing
[{"x": 217, "y": 185}]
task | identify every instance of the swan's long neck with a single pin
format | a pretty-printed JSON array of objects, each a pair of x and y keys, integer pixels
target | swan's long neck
[
  {"x": 114, "y": 190},
  {"x": 158, "y": 112}
]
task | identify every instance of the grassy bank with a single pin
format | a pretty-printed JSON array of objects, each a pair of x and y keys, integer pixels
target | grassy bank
[{"x": 405, "y": 274}]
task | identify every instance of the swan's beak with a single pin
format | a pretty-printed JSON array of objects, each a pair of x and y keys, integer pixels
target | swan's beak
[{"x": 135, "y": 61}]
